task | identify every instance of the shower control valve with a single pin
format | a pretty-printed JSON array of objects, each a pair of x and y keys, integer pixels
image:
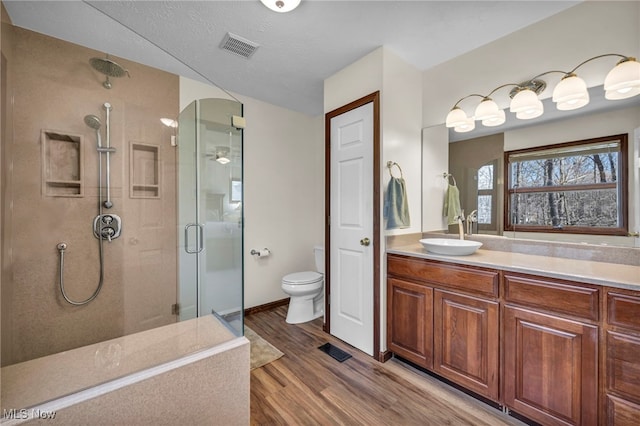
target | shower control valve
[{"x": 107, "y": 226}]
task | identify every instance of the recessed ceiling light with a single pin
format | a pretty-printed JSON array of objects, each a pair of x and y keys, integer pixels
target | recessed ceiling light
[{"x": 281, "y": 5}]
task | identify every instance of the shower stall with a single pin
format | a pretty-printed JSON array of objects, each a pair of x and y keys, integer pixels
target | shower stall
[{"x": 112, "y": 223}]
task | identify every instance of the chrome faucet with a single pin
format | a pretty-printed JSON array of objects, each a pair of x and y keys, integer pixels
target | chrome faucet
[
  {"x": 471, "y": 219},
  {"x": 460, "y": 225}
]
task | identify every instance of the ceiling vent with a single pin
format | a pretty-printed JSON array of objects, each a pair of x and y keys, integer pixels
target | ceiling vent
[{"x": 238, "y": 45}]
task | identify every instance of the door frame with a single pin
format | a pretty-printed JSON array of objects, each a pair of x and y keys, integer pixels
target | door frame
[{"x": 375, "y": 98}]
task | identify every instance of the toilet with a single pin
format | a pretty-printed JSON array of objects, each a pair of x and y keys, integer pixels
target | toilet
[{"x": 306, "y": 291}]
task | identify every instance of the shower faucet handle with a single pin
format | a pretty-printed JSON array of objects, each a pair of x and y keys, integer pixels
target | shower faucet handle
[
  {"x": 107, "y": 226},
  {"x": 108, "y": 233}
]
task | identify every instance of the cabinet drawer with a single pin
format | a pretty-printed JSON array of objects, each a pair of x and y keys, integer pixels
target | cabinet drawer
[
  {"x": 478, "y": 281},
  {"x": 562, "y": 297},
  {"x": 623, "y": 365},
  {"x": 623, "y": 310}
]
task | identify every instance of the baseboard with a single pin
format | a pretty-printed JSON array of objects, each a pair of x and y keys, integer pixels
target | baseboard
[
  {"x": 266, "y": 306},
  {"x": 384, "y": 356}
]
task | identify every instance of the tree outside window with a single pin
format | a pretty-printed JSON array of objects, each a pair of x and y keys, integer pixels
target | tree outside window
[{"x": 577, "y": 187}]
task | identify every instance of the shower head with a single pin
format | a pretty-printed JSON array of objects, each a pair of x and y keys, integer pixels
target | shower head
[
  {"x": 92, "y": 121},
  {"x": 109, "y": 68}
]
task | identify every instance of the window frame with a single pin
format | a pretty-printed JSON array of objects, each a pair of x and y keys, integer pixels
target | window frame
[
  {"x": 622, "y": 183},
  {"x": 494, "y": 193}
]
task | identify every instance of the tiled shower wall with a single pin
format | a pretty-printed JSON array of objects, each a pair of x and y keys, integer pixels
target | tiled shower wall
[{"x": 53, "y": 87}]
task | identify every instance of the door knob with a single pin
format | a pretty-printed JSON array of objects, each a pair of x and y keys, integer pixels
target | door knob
[{"x": 365, "y": 241}]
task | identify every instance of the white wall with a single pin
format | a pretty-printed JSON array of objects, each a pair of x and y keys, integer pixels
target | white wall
[
  {"x": 283, "y": 190},
  {"x": 359, "y": 79},
  {"x": 401, "y": 111},
  {"x": 435, "y": 161}
]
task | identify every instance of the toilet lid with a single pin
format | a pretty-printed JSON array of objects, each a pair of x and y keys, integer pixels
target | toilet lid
[{"x": 300, "y": 278}]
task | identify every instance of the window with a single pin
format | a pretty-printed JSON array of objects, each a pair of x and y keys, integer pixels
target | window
[
  {"x": 576, "y": 187},
  {"x": 486, "y": 179}
]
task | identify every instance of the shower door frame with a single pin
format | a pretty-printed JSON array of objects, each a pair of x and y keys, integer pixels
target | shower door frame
[{"x": 194, "y": 229}]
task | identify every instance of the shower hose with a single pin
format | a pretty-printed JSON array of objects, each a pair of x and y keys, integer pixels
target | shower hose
[{"x": 63, "y": 246}]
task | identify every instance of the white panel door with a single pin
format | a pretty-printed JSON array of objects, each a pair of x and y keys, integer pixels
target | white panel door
[{"x": 351, "y": 234}]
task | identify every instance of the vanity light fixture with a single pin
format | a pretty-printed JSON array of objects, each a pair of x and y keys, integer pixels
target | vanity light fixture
[
  {"x": 281, "y": 5},
  {"x": 622, "y": 82}
]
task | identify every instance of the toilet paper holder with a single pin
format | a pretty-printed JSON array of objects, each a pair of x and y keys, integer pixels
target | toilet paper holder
[{"x": 260, "y": 253}]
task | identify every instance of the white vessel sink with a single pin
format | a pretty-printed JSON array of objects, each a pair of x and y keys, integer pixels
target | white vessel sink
[{"x": 450, "y": 246}]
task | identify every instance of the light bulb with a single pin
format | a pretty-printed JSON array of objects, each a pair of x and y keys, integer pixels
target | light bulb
[
  {"x": 281, "y": 6},
  {"x": 623, "y": 81},
  {"x": 495, "y": 121},
  {"x": 571, "y": 93},
  {"x": 487, "y": 110},
  {"x": 456, "y": 117},
  {"x": 526, "y": 105},
  {"x": 467, "y": 126}
]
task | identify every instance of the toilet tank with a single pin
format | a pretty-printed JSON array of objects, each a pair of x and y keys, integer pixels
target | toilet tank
[{"x": 319, "y": 252}]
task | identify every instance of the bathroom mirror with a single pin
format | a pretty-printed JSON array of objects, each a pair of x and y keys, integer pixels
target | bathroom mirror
[{"x": 477, "y": 162}]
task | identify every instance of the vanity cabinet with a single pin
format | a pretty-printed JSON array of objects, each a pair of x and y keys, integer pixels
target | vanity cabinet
[
  {"x": 622, "y": 361},
  {"x": 558, "y": 352},
  {"x": 445, "y": 318},
  {"x": 551, "y": 349}
]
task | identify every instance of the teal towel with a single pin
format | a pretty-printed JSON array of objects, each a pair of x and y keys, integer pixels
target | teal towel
[
  {"x": 396, "y": 206},
  {"x": 452, "y": 205}
]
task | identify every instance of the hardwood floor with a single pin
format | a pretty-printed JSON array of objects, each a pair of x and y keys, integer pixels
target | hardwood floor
[{"x": 308, "y": 387}]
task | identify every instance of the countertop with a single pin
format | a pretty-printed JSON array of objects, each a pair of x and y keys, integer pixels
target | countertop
[
  {"x": 42, "y": 379},
  {"x": 600, "y": 273}
]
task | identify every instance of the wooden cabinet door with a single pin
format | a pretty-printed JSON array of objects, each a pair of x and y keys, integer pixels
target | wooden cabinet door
[
  {"x": 550, "y": 368},
  {"x": 466, "y": 343},
  {"x": 410, "y": 321},
  {"x": 621, "y": 412}
]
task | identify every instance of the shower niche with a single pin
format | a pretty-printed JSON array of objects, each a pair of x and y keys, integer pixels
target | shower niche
[
  {"x": 145, "y": 170},
  {"x": 62, "y": 164}
]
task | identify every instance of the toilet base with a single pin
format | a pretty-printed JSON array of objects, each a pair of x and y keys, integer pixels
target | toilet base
[{"x": 304, "y": 309}]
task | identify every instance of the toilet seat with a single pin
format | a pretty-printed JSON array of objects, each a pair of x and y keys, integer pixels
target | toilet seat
[{"x": 302, "y": 278}]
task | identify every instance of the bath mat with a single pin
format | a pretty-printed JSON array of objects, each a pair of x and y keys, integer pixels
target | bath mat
[
  {"x": 262, "y": 352},
  {"x": 335, "y": 353}
]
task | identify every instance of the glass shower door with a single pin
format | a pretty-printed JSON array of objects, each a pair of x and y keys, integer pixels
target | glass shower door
[{"x": 210, "y": 212}]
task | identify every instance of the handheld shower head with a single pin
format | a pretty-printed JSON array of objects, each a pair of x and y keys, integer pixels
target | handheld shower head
[{"x": 92, "y": 121}]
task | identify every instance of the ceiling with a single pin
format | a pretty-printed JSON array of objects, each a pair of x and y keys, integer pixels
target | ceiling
[{"x": 297, "y": 50}]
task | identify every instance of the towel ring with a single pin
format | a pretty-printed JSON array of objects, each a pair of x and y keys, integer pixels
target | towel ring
[
  {"x": 449, "y": 175},
  {"x": 390, "y": 164}
]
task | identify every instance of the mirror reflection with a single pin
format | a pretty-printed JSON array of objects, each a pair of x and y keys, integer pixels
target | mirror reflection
[{"x": 478, "y": 164}]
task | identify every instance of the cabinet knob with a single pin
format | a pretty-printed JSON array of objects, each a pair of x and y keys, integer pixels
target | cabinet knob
[{"x": 365, "y": 241}]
